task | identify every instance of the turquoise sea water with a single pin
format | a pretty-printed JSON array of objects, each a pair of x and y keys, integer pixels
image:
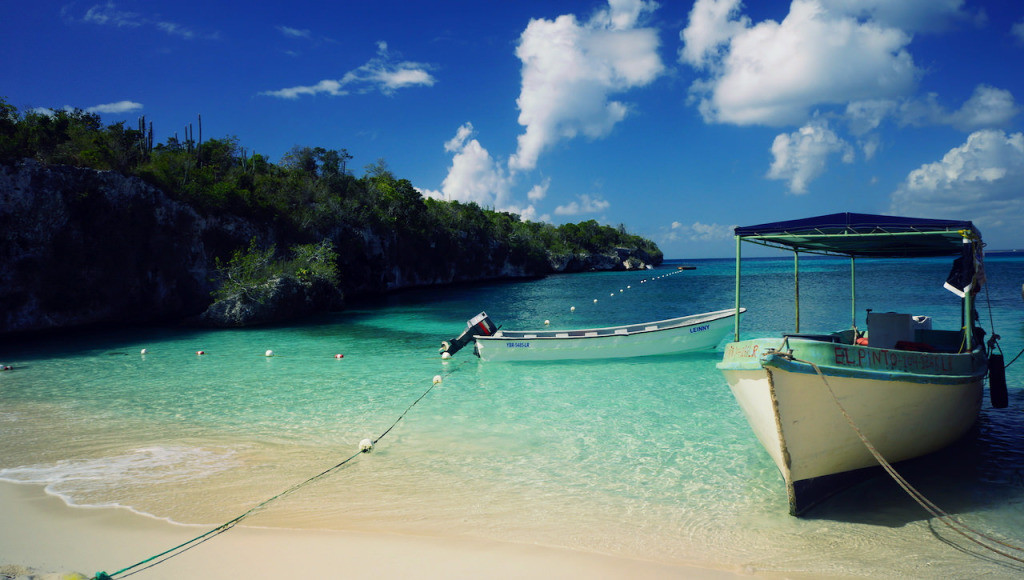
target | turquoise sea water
[{"x": 648, "y": 457}]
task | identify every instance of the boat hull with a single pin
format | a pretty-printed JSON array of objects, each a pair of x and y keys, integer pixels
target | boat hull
[
  {"x": 907, "y": 404},
  {"x": 686, "y": 334}
]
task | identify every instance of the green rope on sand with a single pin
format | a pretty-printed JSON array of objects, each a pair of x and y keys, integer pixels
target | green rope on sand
[{"x": 185, "y": 546}]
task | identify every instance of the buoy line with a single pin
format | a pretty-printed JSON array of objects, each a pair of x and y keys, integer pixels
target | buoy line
[
  {"x": 365, "y": 446},
  {"x": 572, "y": 308}
]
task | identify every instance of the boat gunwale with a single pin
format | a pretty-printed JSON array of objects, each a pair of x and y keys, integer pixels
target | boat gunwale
[
  {"x": 610, "y": 331},
  {"x": 785, "y": 361},
  {"x": 796, "y": 366}
]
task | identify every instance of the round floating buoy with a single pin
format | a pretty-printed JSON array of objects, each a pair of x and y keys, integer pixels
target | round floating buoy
[
  {"x": 446, "y": 355},
  {"x": 365, "y": 446},
  {"x": 547, "y": 322},
  {"x": 269, "y": 353},
  {"x": 437, "y": 379},
  {"x": 628, "y": 287},
  {"x": 612, "y": 294},
  {"x": 143, "y": 351},
  {"x": 572, "y": 309},
  {"x": 595, "y": 300},
  {"x": 339, "y": 356},
  {"x": 200, "y": 352}
]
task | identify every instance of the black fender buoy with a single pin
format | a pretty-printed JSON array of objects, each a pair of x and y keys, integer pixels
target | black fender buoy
[{"x": 997, "y": 382}]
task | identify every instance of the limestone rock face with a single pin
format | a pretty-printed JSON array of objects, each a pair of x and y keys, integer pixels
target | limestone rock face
[
  {"x": 80, "y": 247},
  {"x": 616, "y": 259}
]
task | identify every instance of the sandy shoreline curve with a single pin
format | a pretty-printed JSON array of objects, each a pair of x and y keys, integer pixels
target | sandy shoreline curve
[{"x": 42, "y": 537}]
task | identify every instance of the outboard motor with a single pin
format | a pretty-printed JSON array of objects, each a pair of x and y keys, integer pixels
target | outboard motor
[{"x": 479, "y": 325}]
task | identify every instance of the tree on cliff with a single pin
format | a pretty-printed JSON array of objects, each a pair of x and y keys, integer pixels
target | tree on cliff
[{"x": 377, "y": 224}]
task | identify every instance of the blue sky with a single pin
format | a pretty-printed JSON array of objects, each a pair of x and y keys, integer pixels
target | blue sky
[{"x": 677, "y": 119}]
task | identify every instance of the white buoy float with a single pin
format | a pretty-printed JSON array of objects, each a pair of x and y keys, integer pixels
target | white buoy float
[
  {"x": 547, "y": 322},
  {"x": 595, "y": 300},
  {"x": 339, "y": 356},
  {"x": 143, "y": 351},
  {"x": 446, "y": 355},
  {"x": 437, "y": 379},
  {"x": 269, "y": 353},
  {"x": 572, "y": 309},
  {"x": 365, "y": 446}
]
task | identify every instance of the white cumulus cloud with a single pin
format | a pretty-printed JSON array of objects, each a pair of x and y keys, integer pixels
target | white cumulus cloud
[
  {"x": 113, "y": 108},
  {"x": 571, "y": 69},
  {"x": 776, "y": 73},
  {"x": 801, "y": 156},
  {"x": 539, "y": 191},
  {"x": 987, "y": 108},
  {"x": 108, "y": 108},
  {"x": 108, "y": 14},
  {"x": 699, "y": 232},
  {"x": 474, "y": 175},
  {"x": 583, "y": 204},
  {"x": 378, "y": 74},
  {"x": 981, "y": 180},
  {"x": 712, "y": 25},
  {"x": 294, "y": 32},
  {"x": 910, "y": 15}
]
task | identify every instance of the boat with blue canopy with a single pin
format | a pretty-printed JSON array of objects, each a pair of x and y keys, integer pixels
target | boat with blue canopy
[{"x": 828, "y": 405}]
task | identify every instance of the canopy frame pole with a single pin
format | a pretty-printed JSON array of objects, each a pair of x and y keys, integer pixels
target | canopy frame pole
[
  {"x": 736, "y": 318},
  {"x": 796, "y": 287},
  {"x": 966, "y": 316},
  {"x": 853, "y": 292}
]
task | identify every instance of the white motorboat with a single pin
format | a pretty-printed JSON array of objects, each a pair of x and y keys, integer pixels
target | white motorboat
[{"x": 675, "y": 335}]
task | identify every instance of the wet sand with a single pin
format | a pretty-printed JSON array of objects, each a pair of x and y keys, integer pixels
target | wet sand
[{"x": 42, "y": 537}]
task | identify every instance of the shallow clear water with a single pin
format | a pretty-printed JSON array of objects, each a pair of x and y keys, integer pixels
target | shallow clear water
[{"x": 646, "y": 457}]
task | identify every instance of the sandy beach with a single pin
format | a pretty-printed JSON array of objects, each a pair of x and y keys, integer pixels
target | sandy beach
[{"x": 42, "y": 537}]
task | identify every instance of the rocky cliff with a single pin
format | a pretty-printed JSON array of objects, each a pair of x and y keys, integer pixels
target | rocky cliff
[
  {"x": 80, "y": 247},
  {"x": 84, "y": 247}
]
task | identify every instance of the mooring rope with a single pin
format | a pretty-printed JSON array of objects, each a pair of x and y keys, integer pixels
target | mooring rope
[
  {"x": 185, "y": 546},
  {"x": 993, "y": 342},
  {"x": 1007, "y": 365},
  {"x": 951, "y": 521}
]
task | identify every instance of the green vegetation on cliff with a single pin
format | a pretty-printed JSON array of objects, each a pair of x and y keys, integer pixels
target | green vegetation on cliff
[{"x": 310, "y": 199}]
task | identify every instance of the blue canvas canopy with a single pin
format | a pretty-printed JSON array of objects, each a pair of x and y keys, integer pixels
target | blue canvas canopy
[
  {"x": 864, "y": 235},
  {"x": 859, "y": 235}
]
